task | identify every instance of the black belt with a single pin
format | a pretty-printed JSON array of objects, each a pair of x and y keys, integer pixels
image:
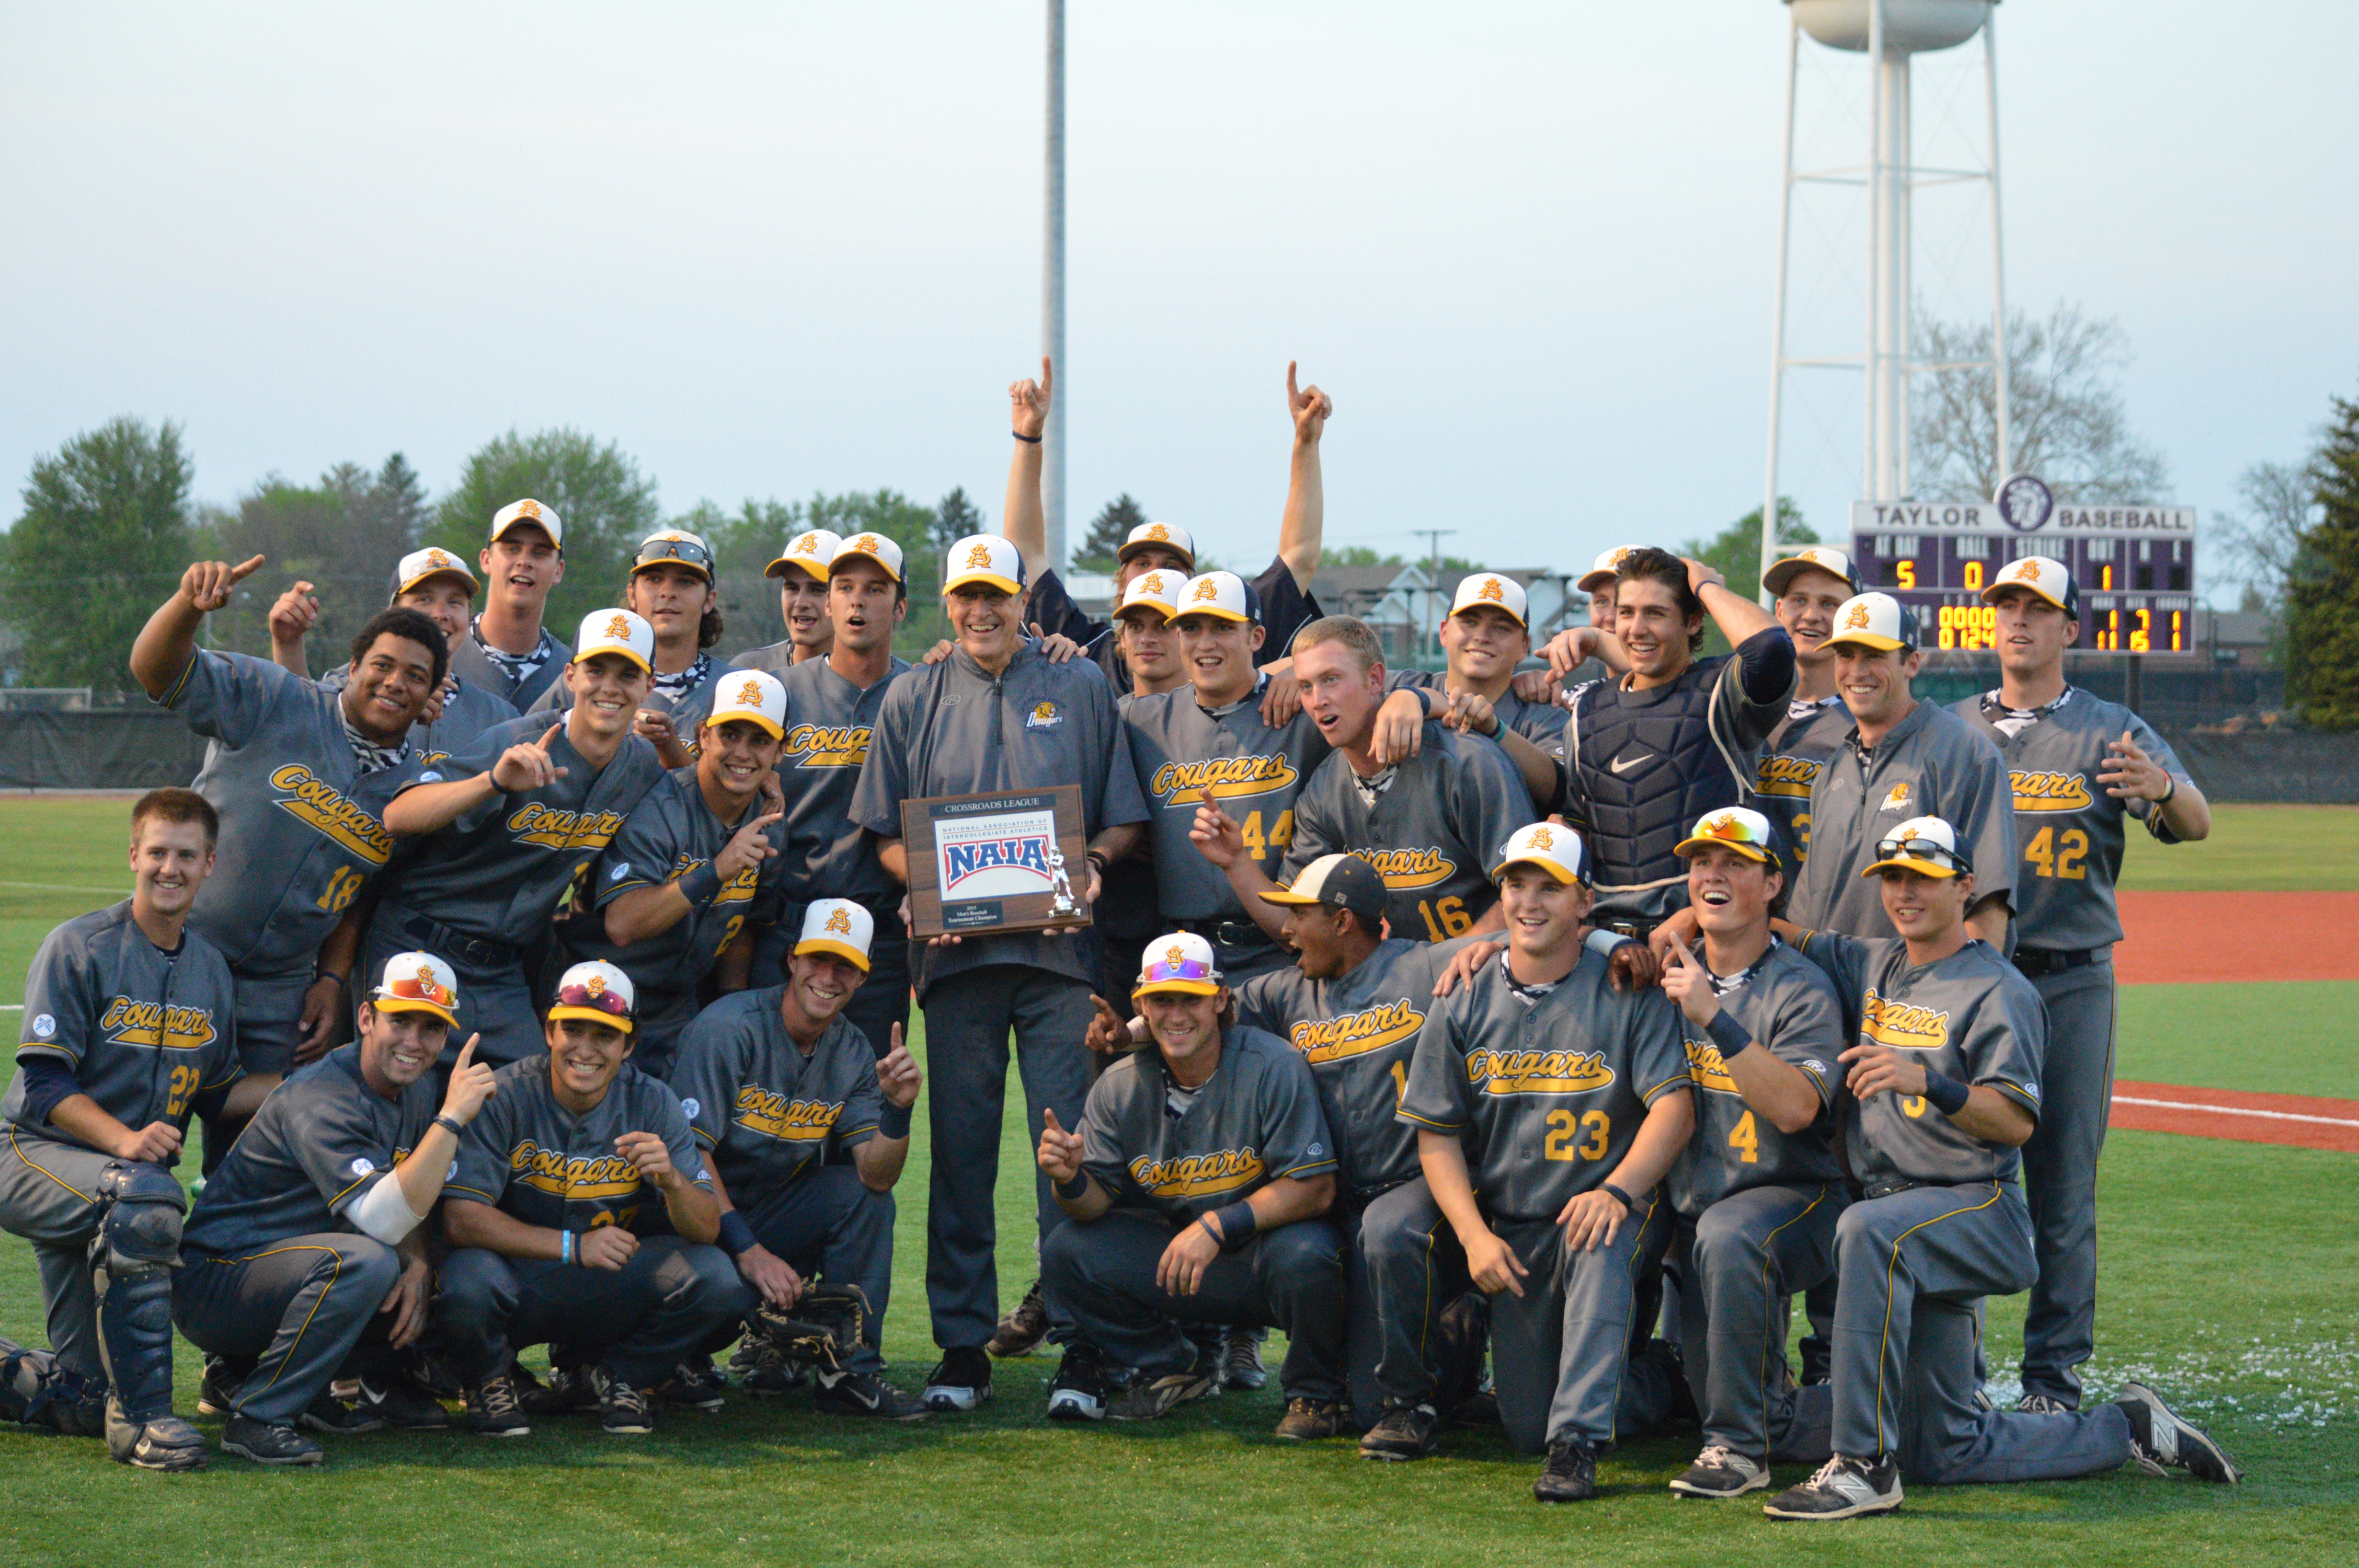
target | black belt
[
  {"x": 2052, "y": 961},
  {"x": 1229, "y": 932},
  {"x": 439, "y": 939}
]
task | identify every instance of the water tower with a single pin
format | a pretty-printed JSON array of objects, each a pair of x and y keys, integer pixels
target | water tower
[{"x": 1889, "y": 34}]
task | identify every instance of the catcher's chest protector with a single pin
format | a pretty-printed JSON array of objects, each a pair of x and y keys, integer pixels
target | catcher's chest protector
[{"x": 1644, "y": 767}]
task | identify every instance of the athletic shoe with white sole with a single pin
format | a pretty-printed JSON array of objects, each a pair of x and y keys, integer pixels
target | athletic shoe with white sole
[
  {"x": 2041, "y": 1404},
  {"x": 265, "y": 1443},
  {"x": 624, "y": 1409},
  {"x": 866, "y": 1395},
  {"x": 1078, "y": 1392},
  {"x": 960, "y": 1380},
  {"x": 1721, "y": 1472},
  {"x": 330, "y": 1415},
  {"x": 694, "y": 1385},
  {"x": 2160, "y": 1440},
  {"x": 1844, "y": 1489},
  {"x": 495, "y": 1410},
  {"x": 404, "y": 1402}
]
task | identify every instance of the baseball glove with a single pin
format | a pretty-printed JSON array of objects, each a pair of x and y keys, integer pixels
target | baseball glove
[{"x": 819, "y": 1330}]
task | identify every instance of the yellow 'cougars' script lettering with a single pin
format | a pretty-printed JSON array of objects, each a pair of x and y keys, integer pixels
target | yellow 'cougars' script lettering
[{"x": 315, "y": 803}]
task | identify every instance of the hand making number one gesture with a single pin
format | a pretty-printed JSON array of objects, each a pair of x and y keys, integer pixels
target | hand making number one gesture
[
  {"x": 207, "y": 584},
  {"x": 526, "y": 765}
]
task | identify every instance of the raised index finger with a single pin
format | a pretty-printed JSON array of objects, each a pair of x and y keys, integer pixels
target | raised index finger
[
  {"x": 466, "y": 1055},
  {"x": 543, "y": 744},
  {"x": 244, "y": 569},
  {"x": 1292, "y": 396}
]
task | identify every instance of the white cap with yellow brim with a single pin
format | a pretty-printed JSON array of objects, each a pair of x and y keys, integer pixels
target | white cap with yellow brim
[
  {"x": 1873, "y": 620},
  {"x": 1551, "y": 846},
  {"x": 868, "y": 546},
  {"x": 1608, "y": 567},
  {"x": 1481, "y": 590},
  {"x": 595, "y": 992},
  {"x": 1181, "y": 961},
  {"x": 1157, "y": 592},
  {"x": 1926, "y": 845},
  {"x": 616, "y": 632},
  {"x": 839, "y": 927},
  {"x": 532, "y": 512},
  {"x": 420, "y": 565},
  {"x": 809, "y": 551},
  {"x": 983, "y": 558},
  {"x": 1163, "y": 535},
  {"x": 754, "y": 695},
  {"x": 1812, "y": 558},
  {"x": 417, "y": 982},
  {"x": 1735, "y": 827}
]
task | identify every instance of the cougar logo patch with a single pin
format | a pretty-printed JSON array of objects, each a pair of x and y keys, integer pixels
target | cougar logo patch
[
  {"x": 1044, "y": 716},
  {"x": 1898, "y": 799},
  {"x": 1220, "y": 778}
]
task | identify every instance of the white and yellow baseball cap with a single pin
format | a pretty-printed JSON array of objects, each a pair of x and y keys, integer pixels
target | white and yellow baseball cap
[
  {"x": 1222, "y": 594},
  {"x": 420, "y": 565},
  {"x": 616, "y": 632},
  {"x": 1873, "y": 620},
  {"x": 1551, "y": 846},
  {"x": 674, "y": 547},
  {"x": 1490, "y": 590},
  {"x": 417, "y": 982},
  {"x": 1158, "y": 592},
  {"x": 1182, "y": 962},
  {"x": 1164, "y": 535},
  {"x": 2043, "y": 575},
  {"x": 840, "y": 926},
  {"x": 868, "y": 548},
  {"x": 983, "y": 558},
  {"x": 811, "y": 551},
  {"x": 1810, "y": 558},
  {"x": 1746, "y": 832},
  {"x": 596, "y": 992},
  {"x": 1926, "y": 845},
  {"x": 532, "y": 512},
  {"x": 754, "y": 695},
  {"x": 1608, "y": 567}
]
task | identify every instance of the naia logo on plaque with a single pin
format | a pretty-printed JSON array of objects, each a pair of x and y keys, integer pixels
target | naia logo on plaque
[{"x": 1003, "y": 856}]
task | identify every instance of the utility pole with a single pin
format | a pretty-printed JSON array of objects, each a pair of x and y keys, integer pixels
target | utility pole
[
  {"x": 1052, "y": 294},
  {"x": 1432, "y": 582}
]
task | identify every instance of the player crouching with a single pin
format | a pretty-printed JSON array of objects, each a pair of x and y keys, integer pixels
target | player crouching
[
  {"x": 779, "y": 1084},
  {"x": 1195, "y": 1186},
  {"x": 580, "y": 1217}
]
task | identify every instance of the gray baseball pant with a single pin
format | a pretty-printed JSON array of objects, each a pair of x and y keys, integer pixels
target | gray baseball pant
[
  {"x": 1560, "y": 1351},
  {"x": 969, "y": 1016},
  {"x": 1738, "y": 1260},
  {"x": 2060, "y": 1178},
  {"x": 49, "y": 1196},
  {"x": 1407, "y": 1268},
  {"x": 825, "y": 1223},
  {"x": 643, "y": 1320},
  {"x": 295, "y": 1309}
]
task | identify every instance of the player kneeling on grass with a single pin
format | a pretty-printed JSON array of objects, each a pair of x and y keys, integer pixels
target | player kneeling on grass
[
  {"x": 1756, "y": 1196},
  {"x": 1195, "y": 1187},
  {"x": 127, "y": 1031},
  {"x": 580, "y": 1217},
  {"x": 1944, "y": 1082},
  {"x": 777, "y": 1084},
  {"x": 1547, "y": 1105},
  {"x": 304, "y": 1261}
]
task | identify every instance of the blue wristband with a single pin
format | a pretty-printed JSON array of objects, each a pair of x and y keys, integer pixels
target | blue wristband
[
  {"x": 1731, "y": 1036},
  {"x": 701, "y": 885},
  {"x": 1072, "y": 1191},
  {"x": 895, "y": 1120},
  {"x": 1235, "y": 1224},
  {"x": 1948, "y": 1094},
  {"x": 736, "y": 1237},
  {"x": 565, "y": 1247}
]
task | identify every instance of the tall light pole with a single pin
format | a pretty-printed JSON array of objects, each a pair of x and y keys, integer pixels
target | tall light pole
[{"x": 1052, "y": 293}]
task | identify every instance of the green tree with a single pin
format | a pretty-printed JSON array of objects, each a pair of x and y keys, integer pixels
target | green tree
[
  {"x": 1736, "y": 551},
  {"x": 1108, "y": 529},
  {"x": 104, "y": 537},
  {"x": 2322, "y": 589},
  {"x": 344, "y": 535},
  {"x": 956, "y": 518},
  {"x": 606, "y": 504}
]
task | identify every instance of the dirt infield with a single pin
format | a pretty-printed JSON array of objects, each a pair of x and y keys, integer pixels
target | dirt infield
[
  {"x": 2238, "y": 937},
  {"x": 2301, "y": 1121}
]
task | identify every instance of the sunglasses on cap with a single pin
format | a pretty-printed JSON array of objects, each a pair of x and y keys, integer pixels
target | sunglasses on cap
[
  {"x": 1924, "y": 850},
  {"x": 687, "y": 551},
  {"x": 422, "y": 990},
  {"x": 600, "y": 1000}
]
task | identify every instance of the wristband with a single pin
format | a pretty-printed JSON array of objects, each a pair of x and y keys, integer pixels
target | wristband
[
  {"x": 895, "y": 1120},
  {"x": 451, "y": 1124},
  {"x": 701, "y": 884},
  {"x": 2166, "y": 797},
  {"x": 1619, "y": 1196},
  {"x": 1098, "y": 858},
  {"x": 1028, "y": 440},
  {"x": 1728, "y": 1034},
  {"x": 1071, "y": 1189},
  {"x": 345, "y": 984},
  {"x": 565, "y": 1247},
  {"x": 736, "y": 1237},
  {"x": 1603, "y": 942},
  {"x": 1948, "y": 1094},
  {"x": 1235, "y": 1224}
]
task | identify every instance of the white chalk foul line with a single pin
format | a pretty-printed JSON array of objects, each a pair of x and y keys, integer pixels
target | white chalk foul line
[{"x": 2237, "y": 1110}]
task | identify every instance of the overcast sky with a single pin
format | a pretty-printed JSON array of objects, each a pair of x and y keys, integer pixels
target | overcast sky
[{"x": 775, "y": 248}]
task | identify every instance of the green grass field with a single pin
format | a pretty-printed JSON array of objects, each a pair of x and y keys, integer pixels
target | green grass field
[{"x": 2225, "y": 1274}]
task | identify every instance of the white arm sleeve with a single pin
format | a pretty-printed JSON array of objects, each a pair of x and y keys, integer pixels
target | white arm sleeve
[{"x": 383, "y": 1214}]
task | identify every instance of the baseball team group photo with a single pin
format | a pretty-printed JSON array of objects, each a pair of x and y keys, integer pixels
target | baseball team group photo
[{"x": 551, "y": 1026}]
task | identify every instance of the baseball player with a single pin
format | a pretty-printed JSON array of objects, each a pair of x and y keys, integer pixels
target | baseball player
[
  {"x": 1130, "y": 907},
  {"x": 1675, "y": 738},
  {"x": 774, "y": 1082},
  {"x": 1485, "y": 638},
  {"x": 1756, "y": 1196},
  {"x": 671, "y": 589},
  {"x": 439, "y": 586},
  {"x": 995, "y": 715},
  {"x": 832, "y": 708},
  {"x": 581, "y": 1217},
  {"x": 301, "y": 779},
  {"x": 1284, "y": 587},
  {"x": 304, "y": 1260},
  {"x": 1576, "y": 660},
  {"x": 801, "y": 569},
  {"x": 130, "y": 1026},
  {"x": 1540, "y": 1055},
  {"x": 1423, "y": 821},
  {"x": 506, "y": 827},
  {"x": 1944, "y": 1091},
  {"x": 1901, "y": 759},
  {"x": 2078, "y": 767},
  {"x": 697, "y": 861},
  {"x": 1194, "y": 1183},
  {"x": 509, "y": 653},
  {"x": 1810, "y": 586}
]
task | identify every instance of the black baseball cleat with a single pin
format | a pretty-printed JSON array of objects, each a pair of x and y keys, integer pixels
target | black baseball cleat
[
  {"x": 1021, "y": 1331},
  {"x": 495, "y": 1410},
  {"x": 569, "y": 1390},
  {"x": 866, "y": 1394},
  {"x": 330, "y": 1415},
  {"x": 695, "y": 1386},
  {"x": 1402, "y": 1433},
  {"x": 168, "y": 1444},
  {"x": 217, "y": 1395},
  {"x": 2160, "y": 1441},
  {"x": 1240, "y": 1365},
  {"x": 765, "y": 1370},
  {"x": 1078, "y": 1392},
  {"x": 267, "y": 1443},
  {"x": 960, "y": 1380},
  {"x": 624, "y": 1409},
  {"x": 1570, "y": 1474},
  {"x": 401, "y": 1401},
  {"x": 1844, "y": 1489},
  {"x": 1308, "y": 1421},
  {"x": 1721, "y": 1472}
]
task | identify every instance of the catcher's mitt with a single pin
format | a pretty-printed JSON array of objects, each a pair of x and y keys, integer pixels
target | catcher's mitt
[{"x": 823, "y": 1326}]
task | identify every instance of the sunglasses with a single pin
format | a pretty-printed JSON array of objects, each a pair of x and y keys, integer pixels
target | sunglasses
[
  {"x": 600, "y": 1000},
  {"x": 687, "y": 551},
  {"x": 1185, "y": 969},
  {"x": 1923, "y": 850},
  {"x": 426, "y": 989}
]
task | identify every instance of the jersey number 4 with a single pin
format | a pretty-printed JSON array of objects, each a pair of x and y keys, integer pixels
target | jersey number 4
[
  {"x": 2054, "y": 854},
  {"x": 1261, "y": 847}
]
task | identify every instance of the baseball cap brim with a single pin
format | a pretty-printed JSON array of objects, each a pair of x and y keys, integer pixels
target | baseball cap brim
[
  {"x": 1551, "y": 866},
  {"x": 1864, "y": 640},
  {"x": 808, "y": 567},
  {"x": 1007, "y": 586},
  {"x": 844, "y": 950},
  {"x": 1590, "y": 580},
  {"x": 1291, "y": 898},
  {"x": 1155, "y": 607},
  {"x": 1135, "y": 546},
  {"x": 1218, "y": 611},
  {"x": 1699, "y": 844},
  {"x": 513, "y": 523},
  {"x": 586, "y": 654},
  {"x": 777, "y": 732},
  {"x": 1781, "y": 576},
  {"x": 384, "y": 1003},
  {"x": 461, "y": 573},
  {"x": 589, "y": 1015},
  {"x": 1191, "y": 987},
  {"x": 1910, "y": 863},
  {"x": 1990, "y": 594},
  {"x": 845, "y": 558}
]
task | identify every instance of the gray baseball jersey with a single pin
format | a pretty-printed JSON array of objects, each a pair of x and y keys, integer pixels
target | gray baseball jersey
[
  {"x": 685, "y": 704},
  {"x": 320, "y": 1142},
  {"x": 1971, "y": 1017},
  {"x": 529, "y": 1157},
  {"x": 668, "y": 835},
  {"x": 497, "y": 873},
  {"x": 1541, "y": 724},
  {"x": 1255, "y": 1121},
  {"x": 829, "y": 721},
  {"x": 1791, "y": 759},
  {"x": 1931, "y": 764},
  {"x": 1432, "y": 829},
  {"x": 469, "y": 661},
  {"x": 302, "y": 830},
  {"x": 766, "y": 1110},
  {"x": 146, "y": 1032},
  {"x": 950, "y": 728},
  {"x": 1183, "y": 753},
  {"x": 1785, "y": 1003},
  {"x": 1358, "y": 1032},
  {"x": 1546, "y": 1095},
  {"x": 468, "y": 711},
  {"x": 771, "y": 658},
  {"x": 2068, "y": 830}
]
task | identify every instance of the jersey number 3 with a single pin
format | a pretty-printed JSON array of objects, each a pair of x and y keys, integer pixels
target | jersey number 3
[{"x": 1566, "y": 1139}]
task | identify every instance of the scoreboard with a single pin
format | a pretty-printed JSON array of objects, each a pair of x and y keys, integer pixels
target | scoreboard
[{"x": 2135, "y": 565}]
